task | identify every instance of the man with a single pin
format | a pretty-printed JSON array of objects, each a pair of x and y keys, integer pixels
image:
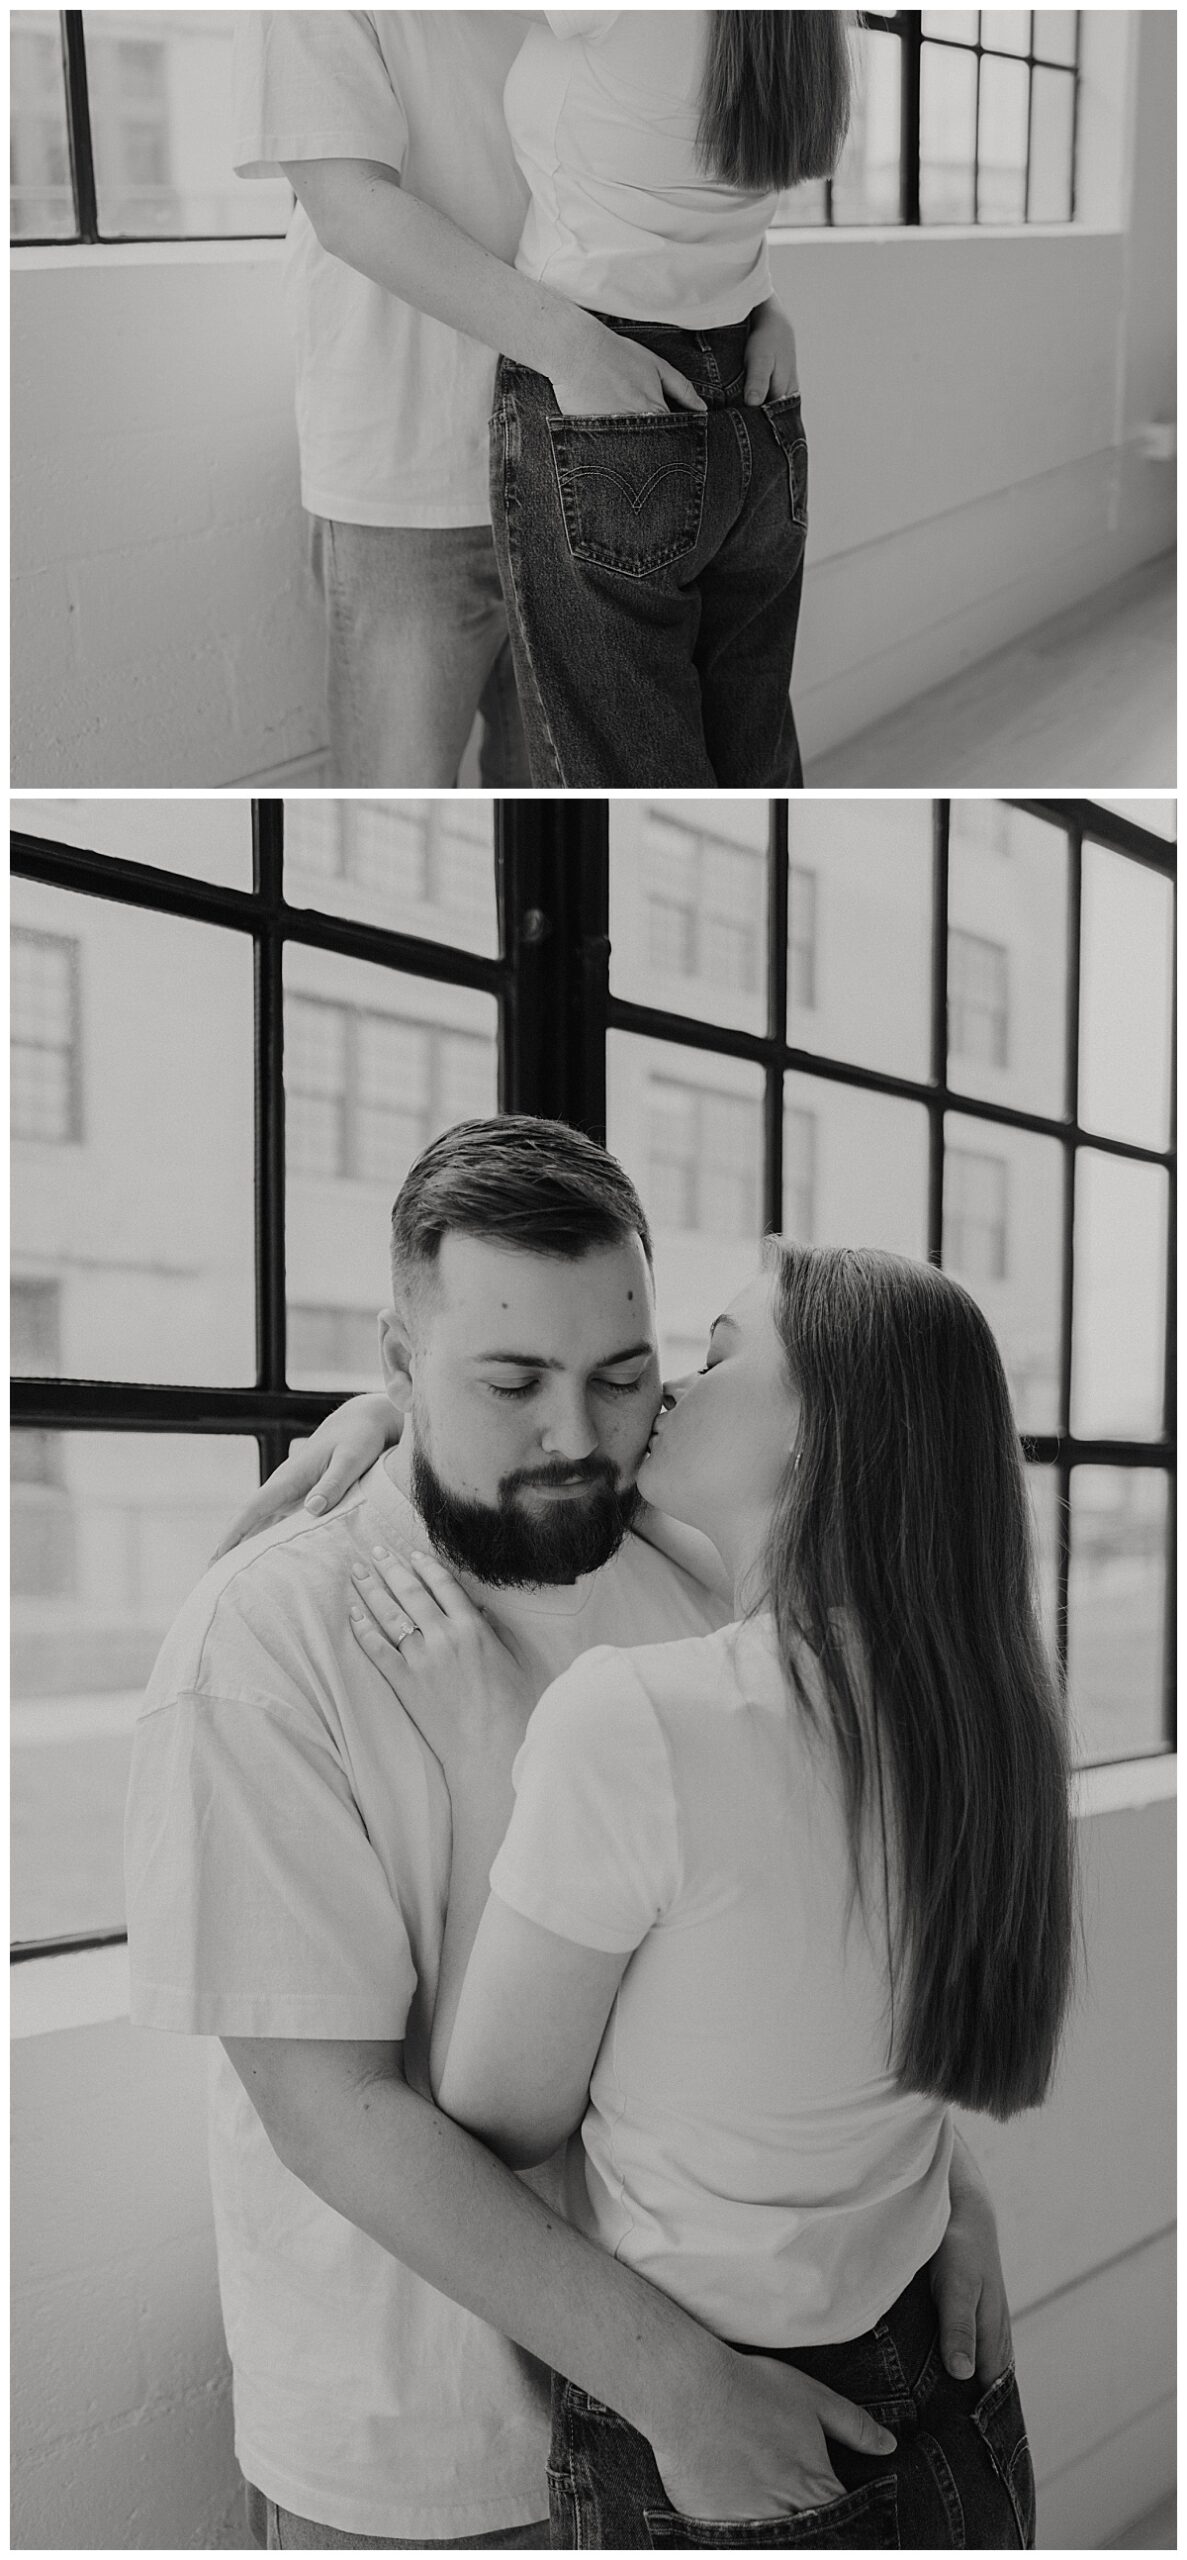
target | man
[
  {"x": 288, "y": 1858},
  {"x": 389, "y": 126}
]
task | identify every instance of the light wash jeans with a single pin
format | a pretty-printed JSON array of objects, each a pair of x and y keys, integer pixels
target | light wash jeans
[
  {"x": 416, "y": 645},
  {"x": 274, "y": 2528}
]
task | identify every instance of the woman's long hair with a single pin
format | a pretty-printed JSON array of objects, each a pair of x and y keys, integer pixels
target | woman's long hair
[
  {"x": 775, "y": 96},
  {"x": 901, "y": 1554}
]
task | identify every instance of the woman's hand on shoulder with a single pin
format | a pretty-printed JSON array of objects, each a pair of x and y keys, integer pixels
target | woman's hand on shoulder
[
  {"x": 319, "y": 1470},
  {"x": 772, "y": 369},
  {"x": 451, "y": 1672}
]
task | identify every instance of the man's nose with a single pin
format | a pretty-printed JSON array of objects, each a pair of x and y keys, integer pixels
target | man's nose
[{"x": 570, "y": 1430}]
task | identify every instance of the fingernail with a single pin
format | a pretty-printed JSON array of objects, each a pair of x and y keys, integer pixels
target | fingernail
[
  {"x": 357, "y": 1572},
  {"x": 962, "y": 2365},
  {"x": 315, "y": 1502},
  {"x": 383, "y": 1555},
  {"x": 358, "y": 1617}
]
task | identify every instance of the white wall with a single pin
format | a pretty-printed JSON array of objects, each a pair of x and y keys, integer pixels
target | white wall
[
  {"x": 121, "y": 2431},
  {"x": 971, "y": 402}
]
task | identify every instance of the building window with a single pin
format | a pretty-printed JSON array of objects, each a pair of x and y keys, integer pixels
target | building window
[
  {"x": 332, "y": 1343},
  {"x": 366, "y": 1091},
  {"x": 701, "y": 1144},
  {"x": 704, "y": 906},
  {"x": 45, "y": 1078},
  {"x": 975, "y": 1199},
  {"x": 35, "y": 1328},
  {"x": 801, "y": 938},
  {"x": 799, "y": 1174},
  {"x": 978, "y": 999}
]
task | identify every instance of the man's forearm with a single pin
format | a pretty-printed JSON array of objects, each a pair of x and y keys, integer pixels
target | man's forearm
[
  {"x": 439, "y": 2201},
  {"x": 362, "y": 215}
]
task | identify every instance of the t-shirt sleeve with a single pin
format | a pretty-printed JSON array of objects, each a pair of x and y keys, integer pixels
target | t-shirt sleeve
[
  {"x": 312, "y": 84},
  {"x": 257, "y": 1905},
  {"x": 592, "y": 1849}
]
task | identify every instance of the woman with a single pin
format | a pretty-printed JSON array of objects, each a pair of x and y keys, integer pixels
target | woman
[
  {"x": 771, "y": 1901},
  {"x": 652, "y": 565}
]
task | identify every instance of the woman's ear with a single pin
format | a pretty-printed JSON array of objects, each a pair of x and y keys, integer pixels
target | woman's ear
[{"x": 395, "y": 1354}]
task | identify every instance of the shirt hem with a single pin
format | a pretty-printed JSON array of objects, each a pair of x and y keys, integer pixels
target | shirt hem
[
  {"x": 418, "y": 2524},
  {"x": 429, "y": 515}
]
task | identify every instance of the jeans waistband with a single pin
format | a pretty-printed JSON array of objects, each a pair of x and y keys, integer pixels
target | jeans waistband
[
  {"x": 713, "y": 359},
  {"x": 886, "y": 2361}
]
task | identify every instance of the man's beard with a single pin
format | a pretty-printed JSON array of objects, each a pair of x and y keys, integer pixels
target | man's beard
[{"x": 504, "y": 1544}]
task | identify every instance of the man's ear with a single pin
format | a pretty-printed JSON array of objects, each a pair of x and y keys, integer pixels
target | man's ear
[{"x": 395, "y": 1355}]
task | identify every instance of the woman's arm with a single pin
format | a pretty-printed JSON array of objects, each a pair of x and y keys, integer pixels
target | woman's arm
[
  {"x": 689, "y": 1548},
  {"x": 319, "y": 1470},
  {"x": 362, "y": 214}
]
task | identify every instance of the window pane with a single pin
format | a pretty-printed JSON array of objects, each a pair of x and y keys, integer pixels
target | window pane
[
  {"x": 160, "y": 98},
  {"x": 1007, "y": 958},
  {"x": 109, "y": 1532},
  {"x": 376, "y": 1064},
  {"x": 1003, "y": 1192},
  {"x": 860, "y": 1177},
  {"x": 947, "y": 134},
  {"x": 1119, "y": 1348},
  {"x": 1042, "y": 1485},
  {"x": 866, "y": 186},
  {"x": 132, "y": 1180},
  {"x": 958, "y": 25},
  {"x": 42, "y": 193},
  {"x": 417, "y": 866},
  {"x": 1001, "y": 178},
  {"x": 1055, "y": 34},
  {"x": 859, "y": 976},
  {"x": 1127, "y": 937},
  {"x": 688, "y": 907},
  {"x": 1006, "y": 30},
  {"x": 1052, "y": 133},
  {"x": 208, "y": 839},
  {"x": 1117, "y": 1610},
  {"x": 688, "y": 1128}
]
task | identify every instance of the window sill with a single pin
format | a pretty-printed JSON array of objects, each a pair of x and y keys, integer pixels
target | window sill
[
  {"x": 267, "y": 250},
  {"x": 91, "y": 1989},
  {"x": 880, "y": 235}
]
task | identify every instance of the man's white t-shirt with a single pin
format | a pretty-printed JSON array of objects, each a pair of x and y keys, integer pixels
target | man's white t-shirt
[
  {"x": 288, "y": 1853},
  {"x": 392, "y": 407},
  {"x": 603, "y": 108},
  {"x": 746, "y": 2147}
]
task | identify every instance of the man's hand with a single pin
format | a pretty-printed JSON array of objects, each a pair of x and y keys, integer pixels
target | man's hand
[
  {"x": 597, "y": 373},
  {"x": 967, "y": 2285},
  {"x": 761, "y": 2451},
  {"x": 319, "y": 1470},
  {"x": 772, "y": 372}
]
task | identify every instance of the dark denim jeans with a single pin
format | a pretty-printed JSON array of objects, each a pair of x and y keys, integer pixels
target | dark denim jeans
[
  {"x": 652, "y": 568},
  {"x": 960, "y": 2480}
]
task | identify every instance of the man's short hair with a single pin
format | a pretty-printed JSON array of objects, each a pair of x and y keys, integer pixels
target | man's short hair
[{"x": 536, "y": 1185}]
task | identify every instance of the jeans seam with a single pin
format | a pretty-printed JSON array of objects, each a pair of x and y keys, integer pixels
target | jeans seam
[{"x": 511, "y": 509}]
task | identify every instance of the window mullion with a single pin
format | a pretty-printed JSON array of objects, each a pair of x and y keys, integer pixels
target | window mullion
[
  {"x": 78, "y": 116},
  {"x": 777, "y": 1024},
  {"x": 267, "y": 819},
  {"x": 939, "y": 1030},
  {"x": 910, "y": 116}
]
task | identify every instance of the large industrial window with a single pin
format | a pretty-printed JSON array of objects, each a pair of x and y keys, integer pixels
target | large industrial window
[
  {"x": 121, "y": 125},
  {"x": 197, "y": 1273}
]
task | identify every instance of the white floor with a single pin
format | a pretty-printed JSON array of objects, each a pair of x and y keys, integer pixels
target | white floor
[{"x": 1084, "y": 704}]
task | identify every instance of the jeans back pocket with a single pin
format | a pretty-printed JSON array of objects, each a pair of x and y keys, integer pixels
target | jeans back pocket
[
  {"x": 865, "y": 2520},
  {"x": 632, "y": 489},
  {"x": 786, "y": 419}
]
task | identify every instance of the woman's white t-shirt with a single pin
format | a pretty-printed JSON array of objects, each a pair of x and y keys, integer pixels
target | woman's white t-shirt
[
  {"x": 602, "y": 107},
  {"x": 745, "y": 2146}
]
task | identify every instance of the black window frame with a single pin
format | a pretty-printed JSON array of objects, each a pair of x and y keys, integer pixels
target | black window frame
[
  {"x": 556, "y": 1009},
  {"x": 905, "y": 24}
]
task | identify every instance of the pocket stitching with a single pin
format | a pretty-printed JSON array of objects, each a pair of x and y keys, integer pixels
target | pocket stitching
[{"x": 584, "y": 547}]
